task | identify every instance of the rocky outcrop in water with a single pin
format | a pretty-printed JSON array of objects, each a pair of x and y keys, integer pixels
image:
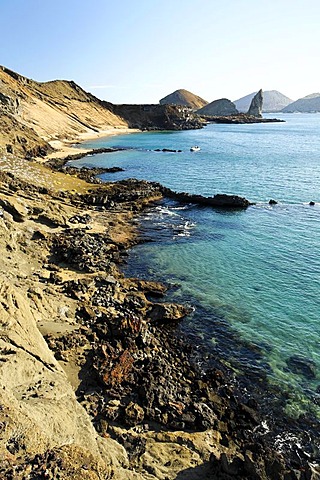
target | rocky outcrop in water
[
  {"x": 219, "y": 107},
  {"x": 218, "y": 200},
  {"x": 255, "y": 108},
  {"x": 273, "y": 101},
  {"x": 241, "y": 118},
  {"x": 132, "y": 190}
]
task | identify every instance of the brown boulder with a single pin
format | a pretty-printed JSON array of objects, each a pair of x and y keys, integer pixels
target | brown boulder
[{"x": 168, "y": 312}]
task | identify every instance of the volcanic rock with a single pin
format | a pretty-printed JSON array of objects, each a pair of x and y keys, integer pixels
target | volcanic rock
[
  {"x": 255, "y": 108},
  {"x": 167, "y": 312},
  {"x": 218, "y": 200},
  {"x": 273, "y": 101},
  {"x": 219, "y": 107},
  {"x": 302, "y": 366}
]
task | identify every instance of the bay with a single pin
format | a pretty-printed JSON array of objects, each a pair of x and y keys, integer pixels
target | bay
[{"x": 253, "y": 275}]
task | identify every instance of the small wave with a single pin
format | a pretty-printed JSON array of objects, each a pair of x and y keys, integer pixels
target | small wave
[
  {"x": 165, "y": 211},
  {"x": 285, "y": 440},
  {"x": 182, "y": 207},
  {"x": 184, "y": 230}
]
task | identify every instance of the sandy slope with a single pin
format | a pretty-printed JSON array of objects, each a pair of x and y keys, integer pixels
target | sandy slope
[{"x": 33, "y": 114}]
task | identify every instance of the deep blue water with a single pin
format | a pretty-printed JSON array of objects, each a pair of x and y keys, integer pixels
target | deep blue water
[{"x": 253, "y": 275}]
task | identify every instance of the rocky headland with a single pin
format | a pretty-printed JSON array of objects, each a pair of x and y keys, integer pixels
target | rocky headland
[
  {"x": 239, "y": 118},
  {"x": 97, "y": 381}
]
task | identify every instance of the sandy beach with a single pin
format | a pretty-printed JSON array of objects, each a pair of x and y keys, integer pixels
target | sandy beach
[{"x": 63, "y": 148}]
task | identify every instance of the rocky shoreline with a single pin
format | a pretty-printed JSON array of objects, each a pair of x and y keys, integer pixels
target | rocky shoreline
[
  {"x": 139, "y": 406},
  {"x": 240, "y": 118}
]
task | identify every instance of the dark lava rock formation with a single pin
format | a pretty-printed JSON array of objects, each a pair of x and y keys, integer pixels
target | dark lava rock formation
[
  {"x": 158, "y": 117},
  {"x": 218, "y": 200},
  {"x": 255, "y": 108},
  {"x": 219, "y": 107}
]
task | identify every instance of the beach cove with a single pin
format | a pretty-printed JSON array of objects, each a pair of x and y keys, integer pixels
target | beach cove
[
  {"x": 257, "y": 268},
  {"x": 282, "y": 289}
]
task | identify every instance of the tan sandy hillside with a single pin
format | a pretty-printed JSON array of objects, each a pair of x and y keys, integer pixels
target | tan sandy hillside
[
  {"x": 184, "y": 97},
  {"x": 33, "y": 114}
]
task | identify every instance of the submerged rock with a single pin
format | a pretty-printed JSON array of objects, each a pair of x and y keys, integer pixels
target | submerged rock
[
  {"x": 302, "y": 366},
  {"x": 167, "y": 150}
]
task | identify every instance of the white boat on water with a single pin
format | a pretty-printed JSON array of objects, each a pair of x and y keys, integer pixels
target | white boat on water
[{"x": 195, "y": 148}]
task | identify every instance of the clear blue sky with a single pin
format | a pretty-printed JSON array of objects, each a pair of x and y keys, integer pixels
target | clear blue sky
[{"x": 137, "y": 51}]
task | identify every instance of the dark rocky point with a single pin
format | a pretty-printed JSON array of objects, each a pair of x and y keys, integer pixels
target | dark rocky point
[
  {"x": 220, "y": 107},
  {"x": 255, "y": 108}
]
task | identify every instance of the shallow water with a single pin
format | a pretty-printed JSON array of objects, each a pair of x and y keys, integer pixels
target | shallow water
[{"x": 254, "y": 274}]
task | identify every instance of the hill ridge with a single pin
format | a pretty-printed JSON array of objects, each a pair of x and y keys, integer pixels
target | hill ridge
[
  {"x": 185, "y": 98},
  {"x": 308, "y": 104},
  {"x": 273, "y": 101}
]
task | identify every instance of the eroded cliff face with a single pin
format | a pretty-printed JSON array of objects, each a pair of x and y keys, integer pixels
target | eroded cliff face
[
  {"x": 159, "y": 117},
  {"x": 41, "y": 421}
]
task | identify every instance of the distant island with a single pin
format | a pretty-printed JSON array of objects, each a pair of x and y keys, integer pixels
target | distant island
[
  {"x": 308, "y": 104},
  {"x": 273, "y": 102},
  {"x": 221, "y": 110}
]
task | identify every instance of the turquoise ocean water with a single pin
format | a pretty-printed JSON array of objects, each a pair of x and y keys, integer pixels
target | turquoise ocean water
[{"x": 253, "y": 275}]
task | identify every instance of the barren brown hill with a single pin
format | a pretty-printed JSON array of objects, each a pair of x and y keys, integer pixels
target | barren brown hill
[
  {"x": 33, "y": 114},
  {"x": 184, "y": 97}
]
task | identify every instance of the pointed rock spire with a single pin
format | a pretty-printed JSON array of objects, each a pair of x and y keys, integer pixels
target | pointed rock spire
[{"x": 255, "y": 108}]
